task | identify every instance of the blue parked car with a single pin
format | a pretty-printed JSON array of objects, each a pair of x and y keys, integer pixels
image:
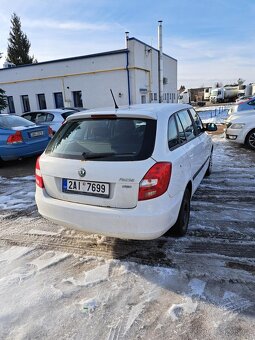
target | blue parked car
[{"x": 20, "y": 138}]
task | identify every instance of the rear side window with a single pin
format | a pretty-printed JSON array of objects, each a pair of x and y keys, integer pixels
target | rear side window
[
  {"x": 9, "y": 122},
  {"x": 49, "y": 117},
  {"x": 66, "y": 114},
  {"x": 44, "y": 117},
  {"x": 119, "y": 139},
  {"x": 173, "y": 137},
  {"x": 39, "y": 117},
  {"x": 30, "y": 116},
  {"x": 186, "y": 127}
]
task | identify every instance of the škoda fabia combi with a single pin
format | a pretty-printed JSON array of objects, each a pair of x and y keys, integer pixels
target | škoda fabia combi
[{"x": 128, "y": 173}]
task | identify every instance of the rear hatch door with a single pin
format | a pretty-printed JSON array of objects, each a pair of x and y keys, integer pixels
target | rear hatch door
[{"x": 99, "y": 161}]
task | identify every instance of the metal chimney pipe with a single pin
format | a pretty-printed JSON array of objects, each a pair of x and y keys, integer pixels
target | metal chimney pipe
[
  {"x": 160, "y": 62},
  {"x": 126, "y": 39}
]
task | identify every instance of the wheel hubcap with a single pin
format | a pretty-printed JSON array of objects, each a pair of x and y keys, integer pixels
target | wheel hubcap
[{"x": 252, "y": 140}]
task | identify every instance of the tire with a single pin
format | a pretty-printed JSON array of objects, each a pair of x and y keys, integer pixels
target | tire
[
  {"x": 250, "y": 140},
  {"x": 181, "y": 225},
  {"x": 209, "y": 169}
]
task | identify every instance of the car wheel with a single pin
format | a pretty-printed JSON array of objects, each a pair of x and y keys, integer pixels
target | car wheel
[
  {"x": 250, "y": 139},
  {"x": 181, "y": 225},
  {"x": 209, "y": 169}
]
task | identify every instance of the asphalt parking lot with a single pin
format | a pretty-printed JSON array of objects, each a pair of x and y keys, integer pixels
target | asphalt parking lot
[
  {"x": 205, "y": 281},
  {"x": 20, "y": 168}
]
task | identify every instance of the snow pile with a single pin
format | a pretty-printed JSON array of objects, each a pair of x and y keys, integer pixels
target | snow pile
[
  {"x": 18, "y": 193},
  {"x": 212, "y": 114}
]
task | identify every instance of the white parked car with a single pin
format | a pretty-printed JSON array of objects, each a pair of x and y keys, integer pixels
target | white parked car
[
  {"x": 240, "y": 128},
  {"x": 128, "y": 173},
  {"x": 53, "y": 118}
]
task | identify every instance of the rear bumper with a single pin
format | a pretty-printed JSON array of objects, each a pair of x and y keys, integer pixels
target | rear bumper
[
  {"x": 149, "y": 220},
  {"x": 12, "y": 152}
]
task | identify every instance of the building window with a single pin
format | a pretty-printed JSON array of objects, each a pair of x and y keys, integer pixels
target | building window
[
  {"x": 143, "y": 99},
  {"x": 77, "y": 99},
  {"x": 155, "y": 96},
  {"x": 11, "y": 107},
  {"x": 59, "y": 102},
  {"x": 41, "y": 101},
  {"x": 168, "y": 97},
  {"x": 25, "y": 102},
  {"x": 151, "y": 97}
]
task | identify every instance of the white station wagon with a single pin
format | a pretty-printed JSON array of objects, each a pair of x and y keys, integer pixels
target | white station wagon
[{"x": 128, "y": 173}]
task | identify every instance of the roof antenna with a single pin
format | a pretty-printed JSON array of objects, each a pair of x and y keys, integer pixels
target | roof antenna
[{"x": 116, "y": 106}]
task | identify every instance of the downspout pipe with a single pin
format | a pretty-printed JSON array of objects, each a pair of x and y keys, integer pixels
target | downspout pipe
[
  {"x": 127, "y": 68},
  {"x": 160, "y": 62}
]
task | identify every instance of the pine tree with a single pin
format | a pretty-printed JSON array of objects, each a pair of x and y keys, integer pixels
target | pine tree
[
  {"x": 19, "y": 45},
  {"x": 3, "y": 102}
]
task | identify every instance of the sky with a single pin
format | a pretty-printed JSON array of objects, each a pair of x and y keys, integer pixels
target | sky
[{"x": 213, "y": 40}]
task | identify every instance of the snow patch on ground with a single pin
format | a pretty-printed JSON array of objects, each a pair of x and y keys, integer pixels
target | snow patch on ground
[
  {"x": 92, "y": 277},
  {"x": 233, "y": 303},
  {"x": 19, "y": 193},
  {"x": 48, "y": 259},
  {"x": 189, "y": 306},
  {"x": 14, "y": 253},
  {"x": 42, "y": 232}
]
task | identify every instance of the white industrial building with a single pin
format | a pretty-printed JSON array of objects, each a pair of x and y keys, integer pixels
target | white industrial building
[{"x": 135, "y": 75}]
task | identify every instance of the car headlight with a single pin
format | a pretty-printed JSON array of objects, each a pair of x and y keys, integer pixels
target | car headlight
[{"x": 237, "y": 126}]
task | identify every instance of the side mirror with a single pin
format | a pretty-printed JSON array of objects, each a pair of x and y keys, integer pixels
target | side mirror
[{"x": 210, "y": 127}]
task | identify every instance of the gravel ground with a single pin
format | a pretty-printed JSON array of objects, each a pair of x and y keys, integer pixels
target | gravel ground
[{"x": 59, "y": 283}]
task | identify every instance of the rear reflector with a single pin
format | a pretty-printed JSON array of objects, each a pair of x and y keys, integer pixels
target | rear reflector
[
  {"x": 155, "y": 182},
  {"x": 38, "y": 174},
  {"x": 16, "y": 138},
  {"x": 50, "y": 132}
]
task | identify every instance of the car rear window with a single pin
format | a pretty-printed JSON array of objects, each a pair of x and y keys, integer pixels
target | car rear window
[
  {"x": 9, "y": 122},
  {"x": 66, "y": 114},
  {"x": 118, "y": 139}
]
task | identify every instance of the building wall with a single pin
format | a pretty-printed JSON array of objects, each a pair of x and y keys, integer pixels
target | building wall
[
  {"x": 94, "y": 76},
  {"x": 144, "y": 73}
]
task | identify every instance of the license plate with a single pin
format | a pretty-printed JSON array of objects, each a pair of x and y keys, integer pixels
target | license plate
[
  {"x": 36, "y": 133},
  {"x": 86, "y": 188}
]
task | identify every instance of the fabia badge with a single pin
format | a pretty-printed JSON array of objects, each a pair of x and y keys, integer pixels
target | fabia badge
[{"x": 82, "y": 172}]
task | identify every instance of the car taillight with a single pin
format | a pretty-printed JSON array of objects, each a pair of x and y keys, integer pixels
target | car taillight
[
  {"x": 155, "y": 182},
  {"x": 50, "y": 132},
  {"x": 16, "y": 138},
  {"x": 38, "y": 174}
]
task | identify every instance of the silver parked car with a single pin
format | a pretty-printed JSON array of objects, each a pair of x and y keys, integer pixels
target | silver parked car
[
  {"x": 244, "y": 105},
  {"x": 53, "y": 118}
]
